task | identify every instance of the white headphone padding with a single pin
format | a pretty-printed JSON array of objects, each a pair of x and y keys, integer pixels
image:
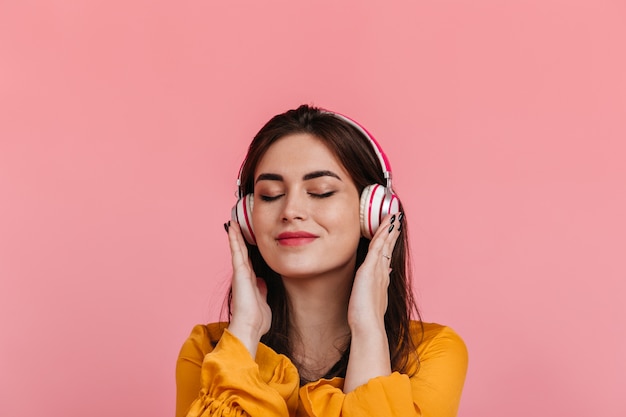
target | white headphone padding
[{"x": 242, "y": 214}]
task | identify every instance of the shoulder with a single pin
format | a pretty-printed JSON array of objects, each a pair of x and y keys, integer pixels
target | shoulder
[
  {"x": 439, "y": 373},
  {"x": 437, "y": 340},
  {"x": 423, "y": 332}
]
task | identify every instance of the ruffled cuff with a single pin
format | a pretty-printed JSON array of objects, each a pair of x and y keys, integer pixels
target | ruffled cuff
[
  {"x": 323, "y": 397},
  {"x": 381, "y": 396},
  {"x": 233, "y": 384}
]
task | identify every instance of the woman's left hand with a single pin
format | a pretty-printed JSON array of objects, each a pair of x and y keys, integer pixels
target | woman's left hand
[
  {"x": 368, "y": 300},
  {"x": 369, "y": 349}
]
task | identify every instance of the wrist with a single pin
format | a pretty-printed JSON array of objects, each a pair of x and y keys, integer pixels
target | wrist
[
  {"x": 368, "y": 327},
  {"x": 369, "y": 358},
  {"x": 247, "y": 335},
  {"x": 369, "y": 335}
]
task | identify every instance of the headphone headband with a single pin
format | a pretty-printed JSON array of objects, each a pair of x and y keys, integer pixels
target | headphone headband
[{"x": 384, "y": 162}]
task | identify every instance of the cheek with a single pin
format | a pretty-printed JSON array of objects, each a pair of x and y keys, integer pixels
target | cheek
[
  {"x": 261, "y": 215},
  {"x": 347, "y": 219}
]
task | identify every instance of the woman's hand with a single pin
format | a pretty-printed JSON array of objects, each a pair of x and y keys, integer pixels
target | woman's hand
[
  {"x": 368, "y": 300},
  {"x": 369, "y": 348},
  {"x": 251, "y": 315}
]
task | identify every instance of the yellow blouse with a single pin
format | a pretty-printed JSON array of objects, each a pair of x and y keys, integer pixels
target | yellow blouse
[{"x": 216, "y": 376}]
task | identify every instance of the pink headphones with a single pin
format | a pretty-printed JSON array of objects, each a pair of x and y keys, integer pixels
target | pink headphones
[{"x": 377, "y": 200}]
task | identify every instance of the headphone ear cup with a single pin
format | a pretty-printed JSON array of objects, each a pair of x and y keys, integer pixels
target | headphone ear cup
[
  {"x": 376, "y": 203},
  {"x": 242, "y": 214}
]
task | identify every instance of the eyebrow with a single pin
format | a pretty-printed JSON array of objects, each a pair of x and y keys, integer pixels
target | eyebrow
[{"x": 306, "y": 177}]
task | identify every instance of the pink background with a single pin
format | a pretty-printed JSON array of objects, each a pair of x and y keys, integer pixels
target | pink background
[{"x": 123, "y": 124}]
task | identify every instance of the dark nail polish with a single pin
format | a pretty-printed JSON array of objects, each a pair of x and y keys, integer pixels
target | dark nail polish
[
  {"x": 400, "y": 217},
  {"x": 390, "y": 228},
  {"x": 226, "y": 226},
  {"x": 400, "y": 229},
  {"x": 393, "y": 219}
]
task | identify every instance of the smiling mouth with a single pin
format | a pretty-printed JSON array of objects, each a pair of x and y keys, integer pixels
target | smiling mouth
[{"x": 295, "y": 238}]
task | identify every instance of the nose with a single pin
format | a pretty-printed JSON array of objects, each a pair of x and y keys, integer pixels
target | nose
[{"x": 294, "y": 207}]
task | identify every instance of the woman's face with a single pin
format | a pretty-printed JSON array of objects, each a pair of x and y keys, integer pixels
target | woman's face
[{"x": 306, "y": 209}]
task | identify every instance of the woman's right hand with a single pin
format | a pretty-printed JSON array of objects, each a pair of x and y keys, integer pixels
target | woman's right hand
[{"x": 251, "y": 315}]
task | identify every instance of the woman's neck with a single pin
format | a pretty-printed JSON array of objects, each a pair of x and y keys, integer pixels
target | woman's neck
[
  {"x": 319, "y": 321},
  {"x": 319, "y": 303}
]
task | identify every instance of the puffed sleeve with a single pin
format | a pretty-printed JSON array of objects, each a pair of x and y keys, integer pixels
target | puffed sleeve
[
  {"x": 433, "y": 391},
  {"x": 226, "y": 381}
]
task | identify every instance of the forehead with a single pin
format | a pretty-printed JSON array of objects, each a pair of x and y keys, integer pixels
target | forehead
[{"x": 299, "y": 154}]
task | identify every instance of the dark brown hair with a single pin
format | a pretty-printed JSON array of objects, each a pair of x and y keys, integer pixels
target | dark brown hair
[{"x": 360, "y": 160}]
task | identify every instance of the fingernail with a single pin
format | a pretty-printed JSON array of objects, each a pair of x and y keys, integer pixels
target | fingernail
[
  {"x": 390, "y": 228},
  {"x": 226, "y": 226},
  {"x": 400, "y": 217},
  {"x": 400, "y": 229},
  {"x": 393, "y": 219}
]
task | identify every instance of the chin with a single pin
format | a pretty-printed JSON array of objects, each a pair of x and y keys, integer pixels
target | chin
[
  {"x": 312, "y": 270},
  {"x": 297, "y": 273}
]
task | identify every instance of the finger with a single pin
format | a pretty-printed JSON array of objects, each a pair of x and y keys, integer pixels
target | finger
[
  {"x": 235, "y": 248},
  {"x": 238, "y": 248},
  {"x": 393, "y": 233},
  {"x": 374, "y": 260},
  {"x": 388, "y": 225},
  {"x": 384, "y": 241}
]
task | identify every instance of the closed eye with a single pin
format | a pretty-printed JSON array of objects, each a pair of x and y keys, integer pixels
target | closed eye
[
  {"x": 270, "y": 197},
  {"x": 323, "y": 195}
]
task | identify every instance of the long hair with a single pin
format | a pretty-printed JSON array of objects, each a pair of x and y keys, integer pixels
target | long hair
[{"x": 360, "y": 161}]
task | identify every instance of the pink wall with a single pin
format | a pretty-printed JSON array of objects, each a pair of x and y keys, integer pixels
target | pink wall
[{"x": 123, "y": 123}]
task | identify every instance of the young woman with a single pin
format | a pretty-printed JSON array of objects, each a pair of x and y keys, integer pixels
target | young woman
[{"x": 320, "y": 306}]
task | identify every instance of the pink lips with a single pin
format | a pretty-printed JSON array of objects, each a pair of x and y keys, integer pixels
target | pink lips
[{"x": 295, "y": 238}]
